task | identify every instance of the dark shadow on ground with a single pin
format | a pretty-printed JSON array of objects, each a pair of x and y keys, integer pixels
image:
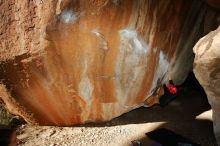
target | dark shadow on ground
[
  {"x": 179, "y": 116},
  {"x": 199, "y": 131}
]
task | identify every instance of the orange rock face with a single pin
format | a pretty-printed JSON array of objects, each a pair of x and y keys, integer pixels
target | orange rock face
[{"x": 71, "y": 62}]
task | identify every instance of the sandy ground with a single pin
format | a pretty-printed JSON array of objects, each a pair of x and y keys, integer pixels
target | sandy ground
[{"x": 188, "y": 115}]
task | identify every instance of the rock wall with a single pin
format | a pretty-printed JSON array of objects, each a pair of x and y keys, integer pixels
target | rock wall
[
  {"x": 207, "y": 71},
  {"x": 5, "y": 116},
  {"x": 67, "y": 62}
]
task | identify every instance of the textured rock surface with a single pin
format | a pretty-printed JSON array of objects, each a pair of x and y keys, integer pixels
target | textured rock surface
[
  {"x": 69, "y": 62},
  {"x": 207, "y": 71},
  {"x": 5, "y": 117}
]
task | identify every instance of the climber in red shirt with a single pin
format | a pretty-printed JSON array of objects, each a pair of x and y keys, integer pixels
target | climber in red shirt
[
  {"x": 172, "y": 89},
  {"x": 170, "y": 92},
  {"x": 162, "y": 96}
]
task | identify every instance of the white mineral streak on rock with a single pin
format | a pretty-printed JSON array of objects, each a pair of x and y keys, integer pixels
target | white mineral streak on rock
[
  {"x": 131, "y": 64},
  {"x": 161, "y": 70},
  {"x": 136, "y": 44},
  {"x": 85, "y": 86},
  {"x": 104, "y": 43},
  {"x": 69, "y": 16}
]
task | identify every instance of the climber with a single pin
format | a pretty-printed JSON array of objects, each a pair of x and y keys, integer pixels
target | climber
[
  {"x": 162, "y": 96},
  {"x": 170, "y": 93}
]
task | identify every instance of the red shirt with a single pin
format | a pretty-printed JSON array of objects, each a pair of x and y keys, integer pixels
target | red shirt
[{"x": 172, "y": 89}]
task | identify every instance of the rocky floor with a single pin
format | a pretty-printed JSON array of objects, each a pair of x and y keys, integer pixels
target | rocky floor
[{"x": 188, "y": 115}]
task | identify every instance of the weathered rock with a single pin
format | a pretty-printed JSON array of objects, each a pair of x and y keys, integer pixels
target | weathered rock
[
  {"x": 207, "y": 71},
  {"x": 70, "y": 62},
  {"x": 5, "y": 116}
]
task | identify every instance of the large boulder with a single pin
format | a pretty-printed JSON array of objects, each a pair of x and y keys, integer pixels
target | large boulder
[
  {"x": 207, "y": 71},
  {"x": 67, "y": 62}
]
